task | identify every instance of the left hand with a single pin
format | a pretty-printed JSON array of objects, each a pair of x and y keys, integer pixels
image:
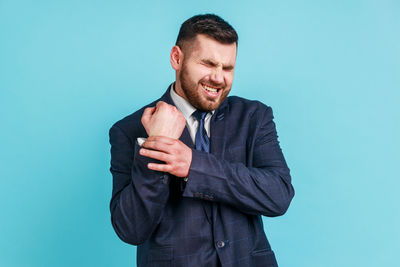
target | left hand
[{"x": 176, "y": 155}]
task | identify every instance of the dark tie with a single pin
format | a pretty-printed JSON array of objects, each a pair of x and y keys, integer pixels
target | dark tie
[
  {"x": 202, "y": 141},
  {"x": 203, "y": 144}
]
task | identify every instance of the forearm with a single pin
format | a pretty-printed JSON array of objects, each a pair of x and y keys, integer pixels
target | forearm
[
  {"x": 262, "y": 190},
  {"x": 139, "y": 194},
  {"x": 135, "y": 215}
]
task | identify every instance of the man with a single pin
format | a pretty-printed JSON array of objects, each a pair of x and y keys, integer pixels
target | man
[{"x": 194, "y": 171}]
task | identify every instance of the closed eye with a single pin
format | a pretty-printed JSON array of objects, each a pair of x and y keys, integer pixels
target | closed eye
[{"x": 210, "y": 63}]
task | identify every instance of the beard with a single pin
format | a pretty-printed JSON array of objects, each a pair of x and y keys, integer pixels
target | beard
[{"x": 194, "y": 95}]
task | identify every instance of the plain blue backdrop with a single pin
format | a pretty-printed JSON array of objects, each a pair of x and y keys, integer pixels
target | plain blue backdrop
[{"x": 329, "y": 69}]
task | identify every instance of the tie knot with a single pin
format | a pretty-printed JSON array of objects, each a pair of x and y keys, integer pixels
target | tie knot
[{"x": 200, "y": 115}]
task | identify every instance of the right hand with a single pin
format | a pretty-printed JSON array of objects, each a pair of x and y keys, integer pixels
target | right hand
[
  {"x": 177, "y": 156},
  {"x": 163, "y": 120}
]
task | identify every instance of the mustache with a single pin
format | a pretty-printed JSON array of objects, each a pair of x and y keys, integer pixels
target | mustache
[{"x": 212, "y": 84}]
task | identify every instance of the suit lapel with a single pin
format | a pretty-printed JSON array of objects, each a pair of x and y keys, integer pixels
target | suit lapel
[
  {"x": 186, "y": 138},
  {"x": 218, "y": 130}
]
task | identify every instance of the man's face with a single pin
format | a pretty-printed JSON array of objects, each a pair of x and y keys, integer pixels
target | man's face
[{"x": 207, "y": 70}]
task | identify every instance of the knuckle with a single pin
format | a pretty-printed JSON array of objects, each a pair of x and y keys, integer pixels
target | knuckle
[
  {"x": 173, "y": 159},
  {"x": 162, "y": 157},
  {"x": 157, "y": 146},
  {"x": 171, "y": 109},
  {"x": 166, "y": 168}
]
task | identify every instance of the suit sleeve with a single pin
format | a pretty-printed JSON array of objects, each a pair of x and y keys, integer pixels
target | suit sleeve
[
  {"x": 139, "y": 194},
  {"x": 263, "y": 188}
]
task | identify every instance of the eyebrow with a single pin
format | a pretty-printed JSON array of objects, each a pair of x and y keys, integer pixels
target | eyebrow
[{"x": 214, "y": 64}]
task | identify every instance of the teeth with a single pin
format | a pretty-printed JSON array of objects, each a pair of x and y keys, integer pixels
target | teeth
[{"x": 210, "y": 89}]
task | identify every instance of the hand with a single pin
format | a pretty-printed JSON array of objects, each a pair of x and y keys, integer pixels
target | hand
[
  {"x": 176, "y": 155},
  {"x": 163, "y": 120}
]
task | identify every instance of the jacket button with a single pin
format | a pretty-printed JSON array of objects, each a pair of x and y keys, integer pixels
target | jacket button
[
  {"x": 164, "y": 179},
  {"x": 220, "y": 244}
]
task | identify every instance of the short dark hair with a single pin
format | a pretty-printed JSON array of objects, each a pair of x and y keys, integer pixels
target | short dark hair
[{"x": 210, "y": 25}]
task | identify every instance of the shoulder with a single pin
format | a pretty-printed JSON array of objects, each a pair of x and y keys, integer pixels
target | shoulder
[{"x": 239, "y": 106}]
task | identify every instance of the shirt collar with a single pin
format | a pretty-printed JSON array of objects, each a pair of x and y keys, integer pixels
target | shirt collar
[{"x": 182, "y": 105}]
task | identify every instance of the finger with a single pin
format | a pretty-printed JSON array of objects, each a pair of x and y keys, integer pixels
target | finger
[
  {"x": 157, "y": 145},
  {"x": 160, "y": 103},
  {"x": 162, "y": 139},
  {"x": 155, "y": 154},
  {"x": 165, "y": 107},
  {"x": 148, "y": 111},
  {"x": 147, "y": 114},
  {"x": 159, "y": 167}
]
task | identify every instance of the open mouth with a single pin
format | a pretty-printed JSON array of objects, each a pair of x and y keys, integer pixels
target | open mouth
[{"x": 210, "y": 90}]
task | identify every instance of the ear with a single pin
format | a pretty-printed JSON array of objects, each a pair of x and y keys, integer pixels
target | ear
[{"x": 176, "y": 58}]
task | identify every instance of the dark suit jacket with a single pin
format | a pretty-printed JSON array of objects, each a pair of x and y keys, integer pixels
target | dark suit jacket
[{"x": 217, "y": 213}]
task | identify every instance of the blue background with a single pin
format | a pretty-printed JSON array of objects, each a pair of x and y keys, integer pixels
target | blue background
[{"x": 329, "y": 69}]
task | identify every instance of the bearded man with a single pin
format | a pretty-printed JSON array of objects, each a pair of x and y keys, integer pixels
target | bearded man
[{"x": 194, "y": 171}]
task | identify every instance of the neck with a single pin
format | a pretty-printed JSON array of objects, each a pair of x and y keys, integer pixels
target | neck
[{"x": 178, "y": 89}]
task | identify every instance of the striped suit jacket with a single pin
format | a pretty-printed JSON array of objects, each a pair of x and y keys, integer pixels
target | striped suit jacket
[{"x": 215, "y": 218}]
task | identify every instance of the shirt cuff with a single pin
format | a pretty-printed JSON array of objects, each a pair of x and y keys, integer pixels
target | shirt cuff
[{"x": 141, "y": 140}]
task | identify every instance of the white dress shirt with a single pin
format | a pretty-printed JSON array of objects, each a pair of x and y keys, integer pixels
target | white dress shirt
[{"x": 187, "y": 110}]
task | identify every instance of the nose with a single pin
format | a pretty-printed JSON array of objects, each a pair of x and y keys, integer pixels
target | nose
[{"x": 217, "y": 76}]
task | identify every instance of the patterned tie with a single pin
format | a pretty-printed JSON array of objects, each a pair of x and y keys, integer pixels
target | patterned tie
[
  {"x": 202, "y": 140},
  {"x": 203, "y": 144}
]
